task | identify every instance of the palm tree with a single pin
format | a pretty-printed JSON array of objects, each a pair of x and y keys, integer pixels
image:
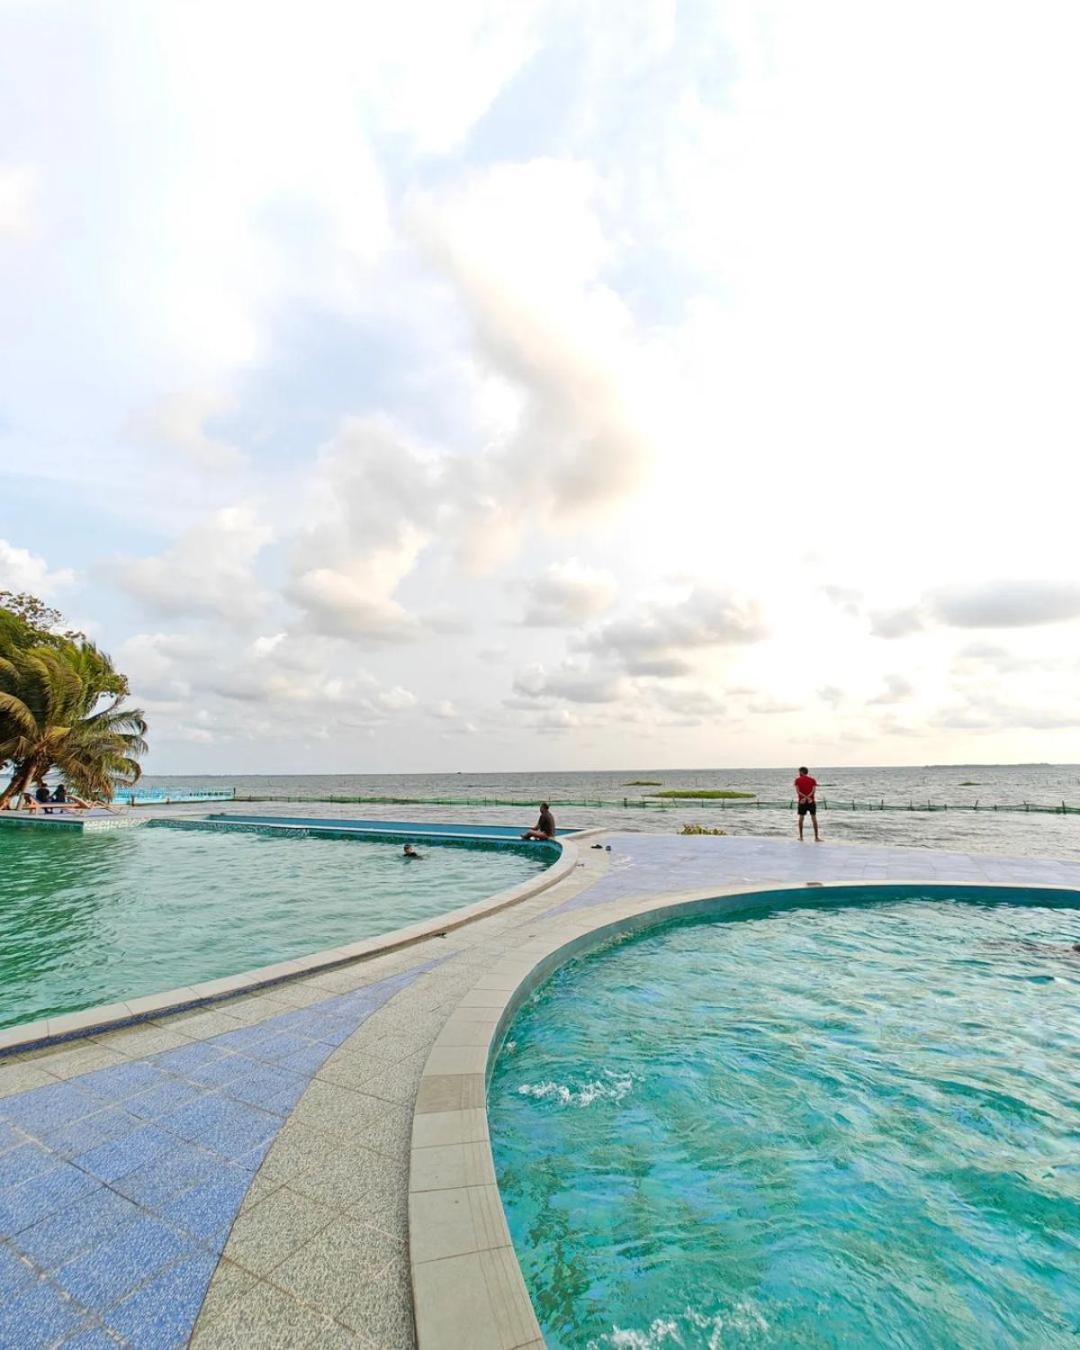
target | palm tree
[{"x": 58, "y": 711}]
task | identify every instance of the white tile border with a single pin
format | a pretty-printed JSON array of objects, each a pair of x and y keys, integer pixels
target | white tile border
[
  {"x": 111, "y": 1016},
  {"x": 468, "y": 1289}
]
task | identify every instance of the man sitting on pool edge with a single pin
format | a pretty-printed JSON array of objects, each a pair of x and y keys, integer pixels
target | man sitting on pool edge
[{"x": 544, "y": 827}]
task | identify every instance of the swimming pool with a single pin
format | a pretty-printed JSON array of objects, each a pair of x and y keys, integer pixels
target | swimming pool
[
  {"x": 821, "y": 1124},
  {"x": 89, "y": 918}
]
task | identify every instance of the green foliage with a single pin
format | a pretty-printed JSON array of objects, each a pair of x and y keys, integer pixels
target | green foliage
[
  {"x": 704, "y": 794},
  {"x": 701, "y": 829},
  {"x": 643, "y": 782},
  {"x": 61, "y": 706}
]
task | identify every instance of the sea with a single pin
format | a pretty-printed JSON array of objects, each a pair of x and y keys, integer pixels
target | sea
[{"x": 619, "y": 800}]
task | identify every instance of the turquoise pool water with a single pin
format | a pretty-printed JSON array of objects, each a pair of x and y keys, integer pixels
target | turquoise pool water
[
  {"x": 89, "y": 918},
  {"x": 837, "y": 1125}
]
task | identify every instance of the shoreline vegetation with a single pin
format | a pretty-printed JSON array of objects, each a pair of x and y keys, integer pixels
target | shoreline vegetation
[
  {"x": 705, "y": 794},
  {"x": 62, "y": 709},
  {"x": 645, "y": 782}
]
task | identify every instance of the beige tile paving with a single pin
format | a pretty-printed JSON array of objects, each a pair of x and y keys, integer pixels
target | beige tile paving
[
  {"x": 269, "y": 1232},
  {"x": 382, "y": 1310},
  {"x": 326, "y": 1271}
]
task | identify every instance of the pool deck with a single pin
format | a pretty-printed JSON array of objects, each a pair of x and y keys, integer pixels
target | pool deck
[
  {"x": 244, "y": 1174},
  {"x": 68, "y": 819}
]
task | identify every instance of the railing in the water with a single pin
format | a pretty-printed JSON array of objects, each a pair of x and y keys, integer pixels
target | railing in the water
[
  {"x": 165, "y": 796},
  {"x": 682, "y": 803}
]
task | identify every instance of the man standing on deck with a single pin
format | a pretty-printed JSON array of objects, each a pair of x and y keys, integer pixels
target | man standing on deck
[{"x": 805, "y": 788}]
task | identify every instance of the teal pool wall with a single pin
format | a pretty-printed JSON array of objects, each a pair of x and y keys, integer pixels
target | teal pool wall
[{"x": 387, "y": 829}]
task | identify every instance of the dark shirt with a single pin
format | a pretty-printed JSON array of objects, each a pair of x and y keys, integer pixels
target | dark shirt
[
  {"x": 42, "y": 794},
  {"x": 546, "y": 823},
  {"x": 60, "y": 793}
]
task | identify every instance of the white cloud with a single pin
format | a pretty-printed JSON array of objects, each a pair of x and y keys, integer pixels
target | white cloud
[
  {"x": 997, "y": 604},
  {"x": 657, "y": 640},
  {"x": 898, "y": 689},
  {"x": 434, "y": 318},
  {"x": 1008, "y": 604},
  {"x": 209, "y": 570},
  {"x": 177, "y": 422},
  {"x": 577, "y": 682},
  {"x": 897, "y": 623},
  {"x": 567, "y": 594},
  {"x": 522, "y": 245},
  {"x": 688, "y": 702},
  {"x": 18, "y": 201},
  {"x": 21, "y": 570}
]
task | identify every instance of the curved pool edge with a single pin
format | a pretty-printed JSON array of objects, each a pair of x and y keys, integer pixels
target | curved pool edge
[
  {"x": 454, "y": 1197},
  {"x": 29, "y": 1036}
]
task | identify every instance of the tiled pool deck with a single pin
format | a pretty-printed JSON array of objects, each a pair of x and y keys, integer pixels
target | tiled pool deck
[{"x": 240, "y": 1175}]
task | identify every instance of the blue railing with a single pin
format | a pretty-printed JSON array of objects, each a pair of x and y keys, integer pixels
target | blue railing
[{"x": 155, "y": 796}]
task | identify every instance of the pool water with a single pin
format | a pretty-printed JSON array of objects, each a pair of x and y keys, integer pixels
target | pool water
[
  {"x": 835, "y": 1125},
  {"x": 90, "y": 918}
]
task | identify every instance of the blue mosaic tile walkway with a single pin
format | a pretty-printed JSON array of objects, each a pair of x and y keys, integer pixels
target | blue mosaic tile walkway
[
  {"x": 118, "y": 1188},
  {"x": 649, "y": 864}
]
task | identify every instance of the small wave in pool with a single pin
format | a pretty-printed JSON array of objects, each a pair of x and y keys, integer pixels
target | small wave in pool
[{"x": 612, "y": 1087}]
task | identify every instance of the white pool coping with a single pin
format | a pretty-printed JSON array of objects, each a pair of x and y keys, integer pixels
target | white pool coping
[
  {"x": 111, "y": 1016},
  {"x": 468, "y": 1289}
]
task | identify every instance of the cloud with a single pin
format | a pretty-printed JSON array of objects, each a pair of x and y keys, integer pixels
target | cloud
[
  {"x": 845, "y": 598},
  {"x": 21, "y": 570},
  {"x": 567, "y": 594},
  {"x": 576, "y": 682},
  {"x": 556, "y": 720},
  {"x": 1008, "y": 604},
  {"x": 897, "y": 690},
  {"x": 304, "y": 686},
  {"x": 523, "y": 246},
  {"x": 655, "y": 641},
  {"x": 18, "y": 202},
  {"x": 990, "y": 713},
  {"x": 177, "y": 421},
  {"x": 209, "y": 570},
  {"x": 372, "y": 507},
  {"x": 395, "y": 700},
  {"x": 998, "y": 604},
  {"x": 772, "y": 707},
  {"x": 687, "y": 702},
  {"x": 348, "y": 604},
  {"x": 160, "y": 665},
  {"x": 897, "y": 623},
  {"x": 976, "y": 658}
]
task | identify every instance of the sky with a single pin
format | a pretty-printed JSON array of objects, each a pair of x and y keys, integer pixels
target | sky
[{"x": 557, "y": 384}]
